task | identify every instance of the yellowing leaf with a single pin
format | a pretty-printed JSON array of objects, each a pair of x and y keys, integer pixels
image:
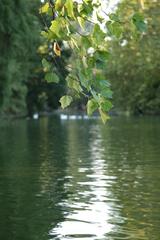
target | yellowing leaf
[
  {"x": 44, "y": 8},
  {"x": 65, "y": 101},
  {"x": 55, "y": 27},
  {"x": 43, "y": 49},
  {"x": 81, "y": 22},
  {"x": 141, "y": 3},
  {"x": 84, "y": 60},
  {"x": 59, "y": 4},
  {"x": 69, "y": 7},
  {"x": 103, "y": 115},
  {"x": 73, "y": 43},
  {"x": 57, "y": 49}
]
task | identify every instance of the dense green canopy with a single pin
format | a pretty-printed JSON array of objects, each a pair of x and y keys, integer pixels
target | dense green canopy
[
  {"x": 18, "y": 43},
  {"x": 134, "y": 65},
  {"x": 22, "y": 85}
]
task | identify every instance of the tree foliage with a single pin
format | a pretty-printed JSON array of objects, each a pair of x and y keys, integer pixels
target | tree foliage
[
  {"x": 85, "y": 27},
  {"x": 19, "y": 34},
  {"x": 23, "y": 88},
  {"x": 134, "y": 65}
]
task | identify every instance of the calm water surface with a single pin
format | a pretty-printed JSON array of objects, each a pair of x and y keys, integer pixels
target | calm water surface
[{"x": 79, "y": 179}]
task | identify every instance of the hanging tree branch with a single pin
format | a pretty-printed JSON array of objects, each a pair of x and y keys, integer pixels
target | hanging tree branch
[{"x": 88, "y": 42}]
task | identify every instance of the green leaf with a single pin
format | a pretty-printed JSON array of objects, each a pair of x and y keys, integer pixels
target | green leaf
[
  {"x": 83, "y": 80},
  {"x": 85, "y": 42},
  {"x": 49, "y": 35},
  {"x": 74, "y": 84},
  {"x": 44, "y": 34},
  {"x": 114, "y": 29},
  {"x": 104, "y": 84},
  {"x": 46, "y": 65},
  {"x": 92, "y": 105},
  {"x": 69, "y": 7},
  {"x": 103, "y": 115},
  {"x": 86, "y": 8},
  {"x": 105, "y": 105},
  {"x": 138, "y": 21},
  {"x": 107, "y": 93},
  {"x": 102, "y": 55},
  {"x": 98, "y": 35},
  {"x": 51, "y": 78},
  {"x": 114, "y": 17},
  {"x": 65, "y": 101}
]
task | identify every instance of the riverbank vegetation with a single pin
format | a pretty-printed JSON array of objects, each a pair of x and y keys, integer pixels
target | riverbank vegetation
[
  {"x": 23, "y": 89},
  {"x": 134, "y": 67}
]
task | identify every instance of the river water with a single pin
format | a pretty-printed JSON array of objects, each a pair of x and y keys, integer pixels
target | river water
[{"x": 79, "y": 179}]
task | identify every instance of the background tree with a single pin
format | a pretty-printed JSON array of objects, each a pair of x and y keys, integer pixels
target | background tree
[
  {"x": 134, "y": 65},
  {"x": 18, "y": 43},
  {"x": 23, "y": 89}
]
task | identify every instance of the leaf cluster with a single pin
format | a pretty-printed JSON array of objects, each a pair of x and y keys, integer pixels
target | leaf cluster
[{"x": 81, "y": 26}]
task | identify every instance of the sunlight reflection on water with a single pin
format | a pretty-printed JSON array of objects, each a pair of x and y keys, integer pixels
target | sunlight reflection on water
[{"x": 89, "y": 221}]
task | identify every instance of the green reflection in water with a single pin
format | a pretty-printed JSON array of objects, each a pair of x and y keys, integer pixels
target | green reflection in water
[{"x": 79, "y": 179}]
